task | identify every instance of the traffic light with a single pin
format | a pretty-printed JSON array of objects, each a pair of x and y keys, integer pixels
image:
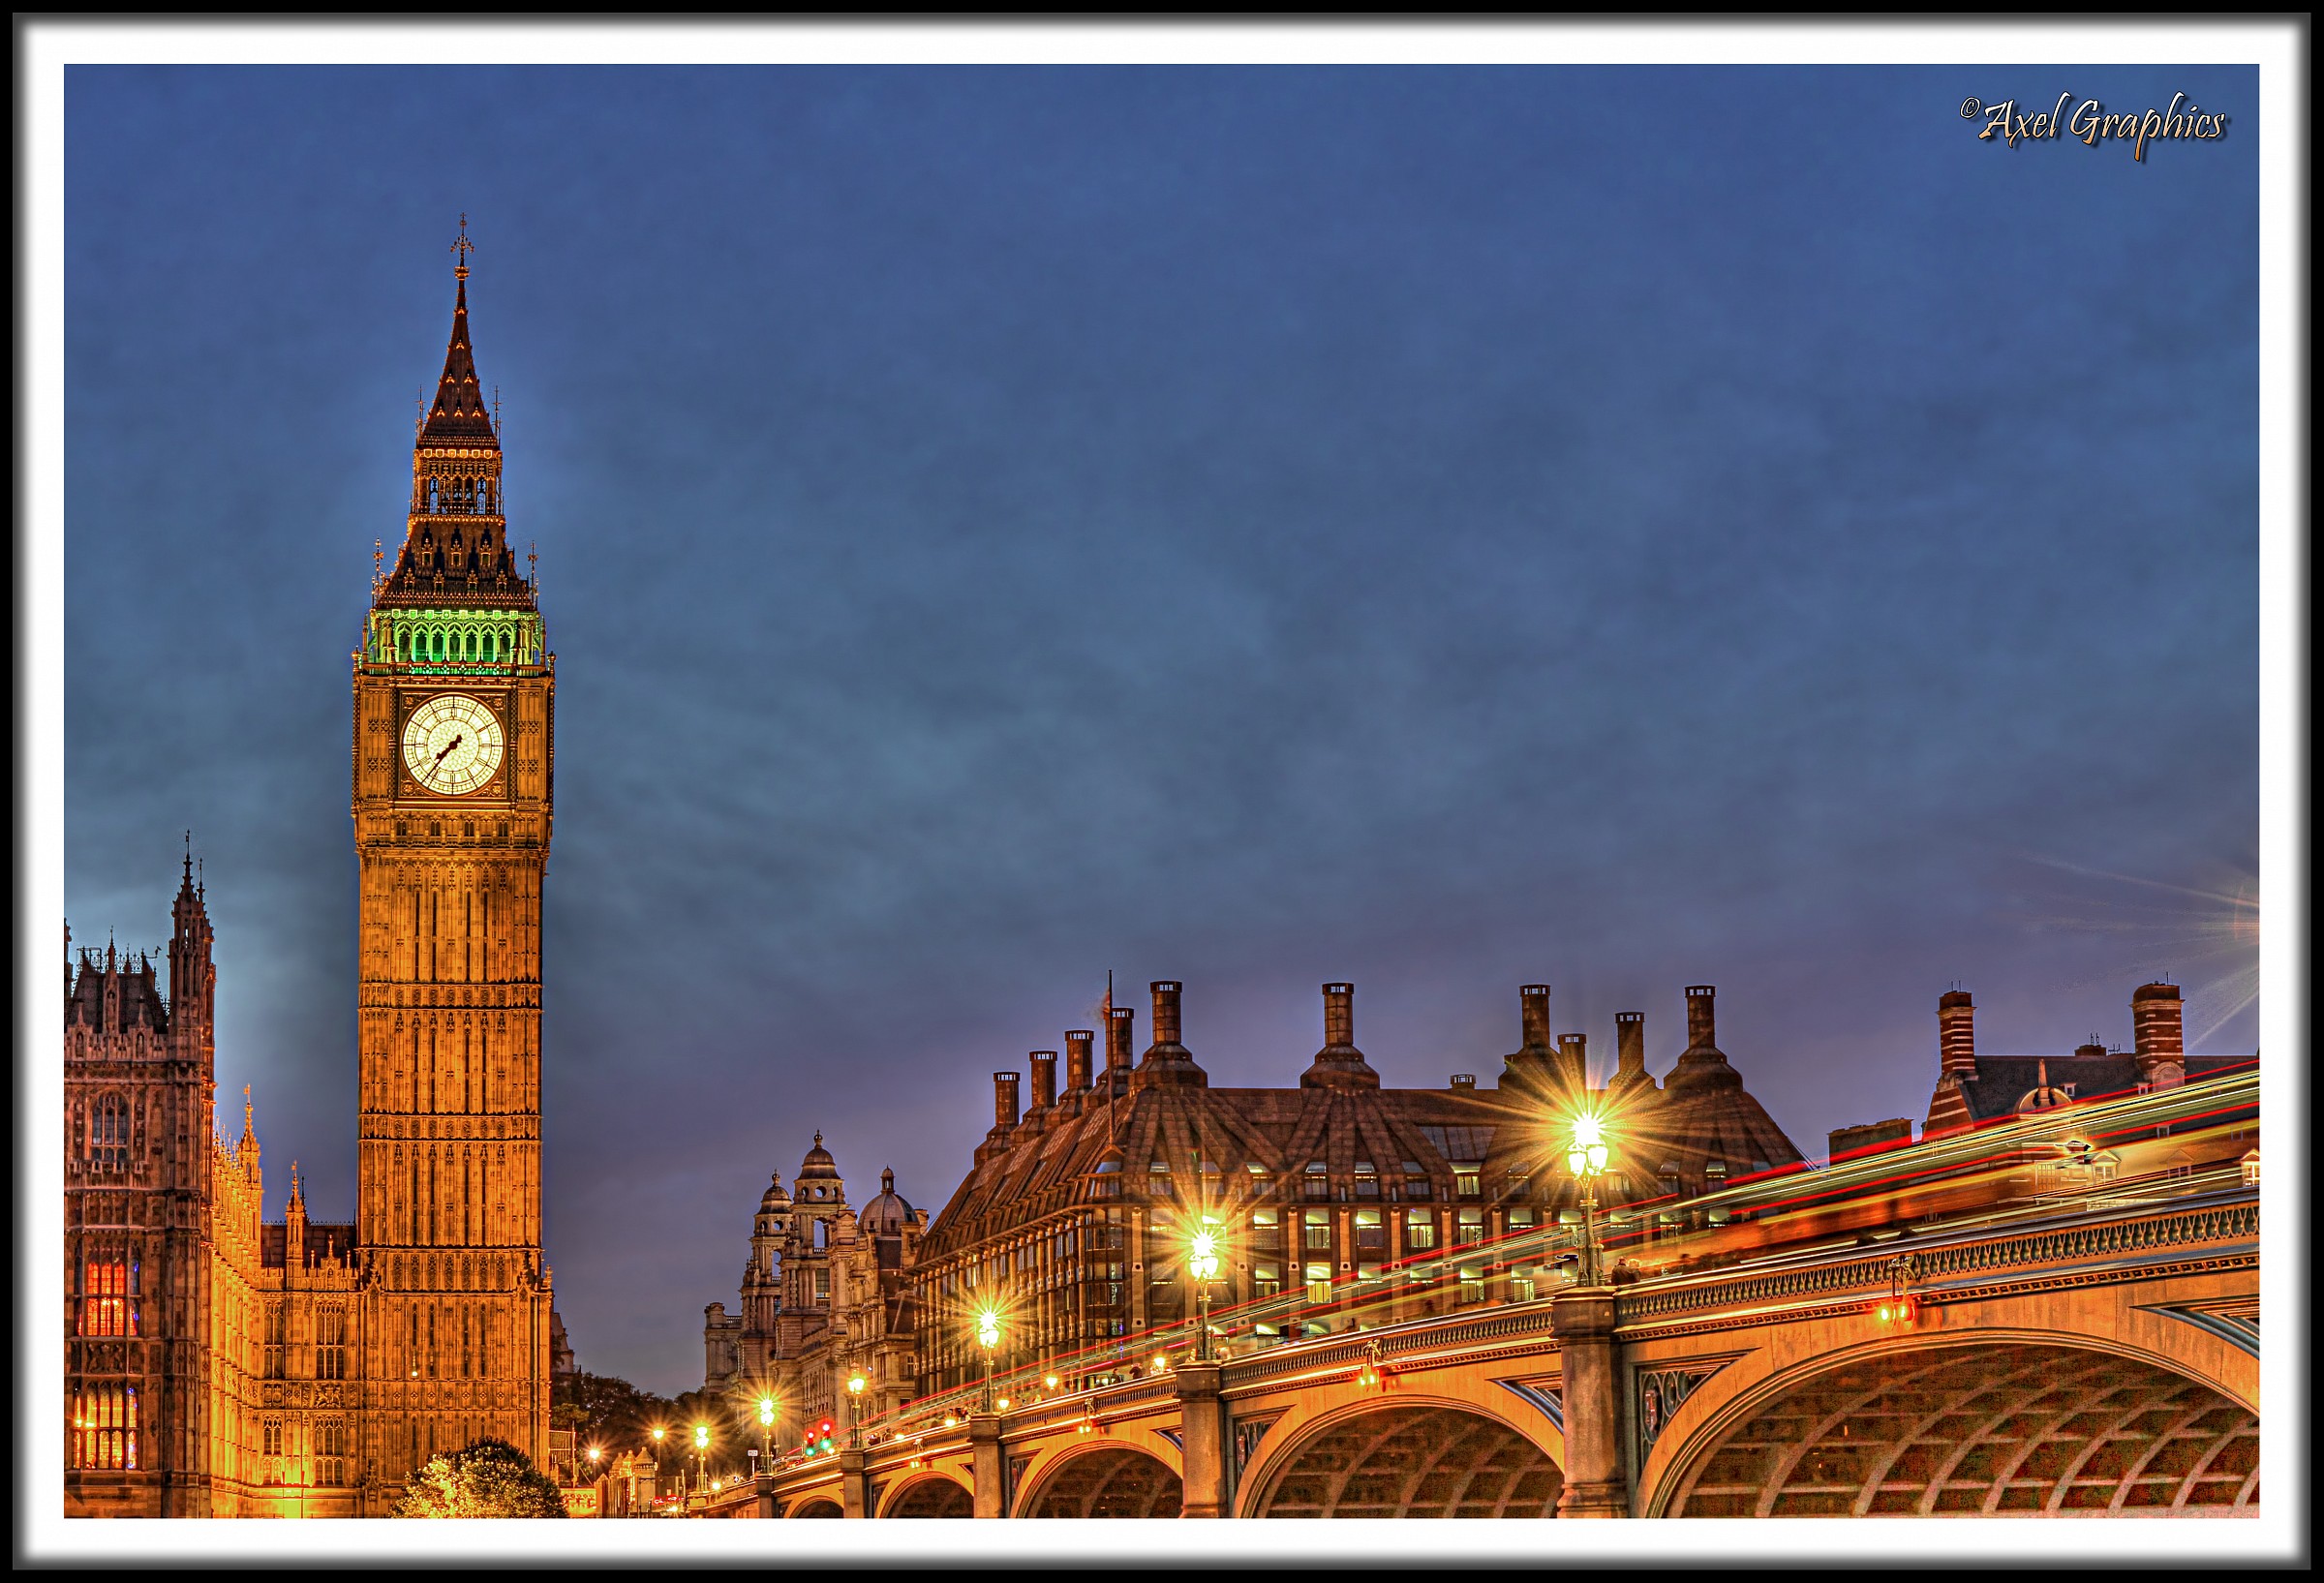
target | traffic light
[{"x": 824, "y": 1435}]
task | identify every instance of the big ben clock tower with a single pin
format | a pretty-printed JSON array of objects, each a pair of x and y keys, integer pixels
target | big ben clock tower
[{"x": 453, "y": 692}]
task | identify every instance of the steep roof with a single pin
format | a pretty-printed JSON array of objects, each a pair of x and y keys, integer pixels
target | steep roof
[
  {"x": 459, "y": 416},
  {"x": 1036, "y": 1170}
]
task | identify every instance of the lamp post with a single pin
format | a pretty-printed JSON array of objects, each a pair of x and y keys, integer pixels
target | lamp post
[
  {"x": 988, "y": 1336},
  {"x": 701, "y": 1455},
  {"x": 1202, "y": 1263},
  {"x": 1585, "y": 1158},
  {"x": 855, "y": 1420}
]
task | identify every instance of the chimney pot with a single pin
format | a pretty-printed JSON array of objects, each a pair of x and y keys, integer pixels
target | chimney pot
[
  {"x": 1004, "y": 1100},
  {"x": 1574, "y": 1062},
  {"x": 1077, "y": 1059},
  {"x": 1956, "y": 1035},
  {"x": 1045, "y": 1077},
  {"x": 1629, "y": 1042},
  {"x": 1339, "y": 1015},
  {"x": 1703, "y": 1031},
  {"x": 1533, "y": 1000},
  {"x": 1166, "y": 1011},
  {"x": 2157, "y": 1019},
  {"x": 1119, "y": 1030}
]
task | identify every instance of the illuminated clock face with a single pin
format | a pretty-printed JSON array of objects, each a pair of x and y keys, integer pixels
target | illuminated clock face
[{"x": 452, "y": 745}]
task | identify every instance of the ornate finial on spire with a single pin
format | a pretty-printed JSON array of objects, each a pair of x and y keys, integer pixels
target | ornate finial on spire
[
  {"x": 463, "y": 247},
  {"x": 533, "y": 566},
  {"x": 189, "y": 857},
  {"x": 378, "y": 562}
]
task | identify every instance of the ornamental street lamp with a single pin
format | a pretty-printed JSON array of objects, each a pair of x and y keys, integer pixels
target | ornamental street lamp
[
  {"x": 1202, "y": 1263},
  {"x": 1585, "y": 1158},
  {"x": 855, "y": 1397},
  {"x": 701, "y": 1454},
  {"x": 766, "y": 1428},
  {"x": 988, "y": 1336}
]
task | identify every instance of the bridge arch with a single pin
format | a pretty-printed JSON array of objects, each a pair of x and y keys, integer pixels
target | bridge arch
[
  {"x": 932, "y": 1493},
  {"x": 1406, "y": 1456},
  {"x": 1104, "y": 1481},
  {"x": 817, "y": 1505},
  {"x": 1992, "y": 1423}
]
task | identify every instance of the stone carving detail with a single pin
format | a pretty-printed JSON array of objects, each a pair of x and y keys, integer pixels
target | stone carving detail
[
  {"x": 1661, "y": 1392},
  {"x": 1248, "y": 1433}
]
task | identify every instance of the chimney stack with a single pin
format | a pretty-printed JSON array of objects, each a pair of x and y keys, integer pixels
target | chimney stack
[
  {"x": 1119, "y": 1022},
  {"x": 1045, "y": 1077},
  {"x": 1339, "y": 1015},
  {"x": 1956, "y": 1035},
  {"x": 1630, "y": 1044},
  {"x": 1004, "y": 1101},
  {"x": 1166, "y": 1011},
  {"x": 1534, "y": 1002},
  {"x": 1077, "y": 1059},
  {"x": 1167, "y": 1063},
  {"x": 2156, "y": 1017},
  {"x": 1339, "y": 1064},
  {"x": 1574, "y": 1062},
  {"x": 1702, "y": 1030}
]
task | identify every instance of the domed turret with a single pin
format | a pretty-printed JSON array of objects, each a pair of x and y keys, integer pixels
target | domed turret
[
  {"x": 818, "y": 1179},
  {"x": 886, "y": 1216}
]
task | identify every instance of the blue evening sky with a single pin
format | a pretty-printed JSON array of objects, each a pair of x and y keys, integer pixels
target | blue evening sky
[{"x": 1437, "y": 528}]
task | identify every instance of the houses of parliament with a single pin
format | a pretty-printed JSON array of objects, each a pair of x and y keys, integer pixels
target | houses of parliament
[{"x": 218, "y": 1364}]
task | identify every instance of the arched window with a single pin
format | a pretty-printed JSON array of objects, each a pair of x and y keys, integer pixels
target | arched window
[
  {"x": 109, "y": 1291},
  {"x": 108, "y": 1135},
  {"x": 105, "y": 1427},
  {"x": 433, "y": 494}
]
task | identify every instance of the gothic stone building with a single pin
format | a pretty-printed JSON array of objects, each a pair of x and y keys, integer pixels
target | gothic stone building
[
  {"x": 1074, "y": 1212},
  {"x": 823, "y": 1297},
  {"x": 218, "y": 1366}
]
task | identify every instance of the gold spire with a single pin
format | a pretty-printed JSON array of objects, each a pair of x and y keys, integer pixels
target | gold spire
[{"x": 462, "y": 247}]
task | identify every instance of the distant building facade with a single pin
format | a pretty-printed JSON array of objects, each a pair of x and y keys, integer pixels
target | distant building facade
[
  {"x": 1974, "y": 1088},
  {"x": 824, "y": 1297},
  {"x": 211, "y": 1362}
]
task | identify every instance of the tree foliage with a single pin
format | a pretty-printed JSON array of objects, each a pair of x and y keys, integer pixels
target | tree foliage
[
  {"x": 486, "y": 1478},
  {"x": 732, "y": 1430},
  {"x": 605, "y": 1410}
]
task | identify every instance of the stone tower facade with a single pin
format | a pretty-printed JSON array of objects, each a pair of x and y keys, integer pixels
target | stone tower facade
[
  {"x": 453, "y": 692},
  {"x": 139, "y": 1091}
]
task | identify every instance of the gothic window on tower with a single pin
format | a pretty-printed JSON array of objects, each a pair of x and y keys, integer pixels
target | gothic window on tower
[
  {"x": 274, "y": 1343},
  {"x": 330, "y": 1342},
  {"x": 108, "y": 1305},
  {"x": 105, "y": 1427},
  {"x": 330, "y": 1453},
  {"x": 109, "y": 1135}
]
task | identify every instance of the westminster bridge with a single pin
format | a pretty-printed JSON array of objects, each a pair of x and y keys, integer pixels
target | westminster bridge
[{"x": 2055, "y": 1317}]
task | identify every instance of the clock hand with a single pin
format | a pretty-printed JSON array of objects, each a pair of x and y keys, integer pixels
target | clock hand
[{"x": 447, "y": 747}]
